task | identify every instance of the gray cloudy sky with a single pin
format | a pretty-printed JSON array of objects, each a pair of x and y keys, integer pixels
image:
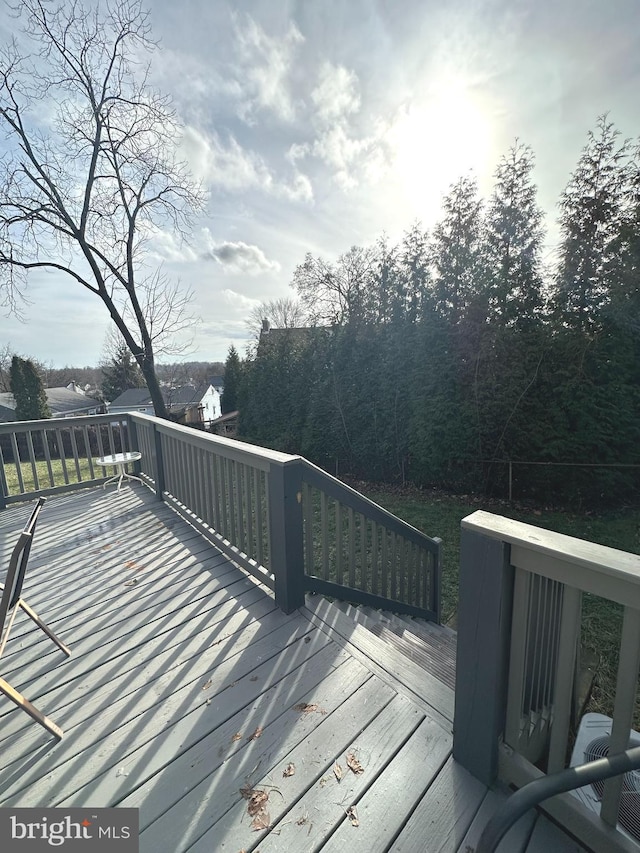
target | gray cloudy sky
[{"x": 319, "y": 124}]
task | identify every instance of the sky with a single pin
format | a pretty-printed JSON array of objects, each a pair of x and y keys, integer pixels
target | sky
[{"x": 317, "y": 125}]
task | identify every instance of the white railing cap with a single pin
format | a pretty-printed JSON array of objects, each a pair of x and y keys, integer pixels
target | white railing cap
[{"x": 568, "y": 549}]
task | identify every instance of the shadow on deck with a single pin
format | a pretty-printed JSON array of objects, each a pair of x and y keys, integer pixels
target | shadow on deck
[{"x": 186, "y": 686}]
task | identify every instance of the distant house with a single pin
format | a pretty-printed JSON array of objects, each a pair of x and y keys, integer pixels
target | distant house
[
  {"x": 63, "y": 402},
  {"x": 225, "y": 425},
  {"x": 132, "y": 400},
  {"x": 189, "y": 404},
  {"x": 217, "y": 382}
]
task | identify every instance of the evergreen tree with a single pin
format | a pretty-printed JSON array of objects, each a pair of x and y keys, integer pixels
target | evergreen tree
[
  {"x": 456, "y": 251},
  {"x": 232, "y": 381},
  {"x": 415, "y": 271},
  {"x": 28, "y": 391},
  {"x": 514, "y": 241},
  {"x": 120, "y": 373},
  {"x": 592, "y": 208}
]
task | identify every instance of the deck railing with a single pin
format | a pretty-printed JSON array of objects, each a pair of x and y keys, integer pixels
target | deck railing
[
  {"x": 287, "y": 522},
  {"x": 519, "y": 628}
]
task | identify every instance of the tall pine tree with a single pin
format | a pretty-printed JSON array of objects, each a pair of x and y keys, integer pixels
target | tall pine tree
[{"x": 232, "y": 381}]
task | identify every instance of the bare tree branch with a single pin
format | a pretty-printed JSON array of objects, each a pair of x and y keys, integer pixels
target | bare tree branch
[{"x": 79, "y": 192}]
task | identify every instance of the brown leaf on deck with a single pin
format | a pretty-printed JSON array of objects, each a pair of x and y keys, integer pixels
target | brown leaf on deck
[
  {"x": 289, "y": 770},
  {"x": 337, "y": 771},
  {"x": 261, "y": 821},
  {"x": 353, "y": 763},
  {"x": 352, "y": 814},
  {"x": 236, "y": 736},
  {"x": 256, "y": 734},
  {"x": 131, "y": 564},
  {"x": 257, "y": 802},
  {"x": 305, "y": 708},
  {"x": 207, "y": 685},
  {"x": 246, "y": 791}
]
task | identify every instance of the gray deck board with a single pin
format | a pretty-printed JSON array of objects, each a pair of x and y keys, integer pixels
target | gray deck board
[{"x": 185, "y": 684}]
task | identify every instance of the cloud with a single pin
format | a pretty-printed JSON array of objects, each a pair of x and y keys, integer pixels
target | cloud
[
  {"x": 227, "y": 165},
  {"x": 337, "y": 94},
  {"x": 240, "y": 258},
  {"x": 264, "y": 66}
]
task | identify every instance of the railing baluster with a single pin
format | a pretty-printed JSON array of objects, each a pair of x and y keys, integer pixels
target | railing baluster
[
  {"x": 63, "y": 456},
  {"x": 17, "y": 462},
  {"x": 248, "y": 511},
  {"x": 374, "y": 558},
  {"x": 32, "y": 460},
  {"x": 517, "y": 658},
  {"x": 259, "y": 490},
  {"x": 385, "y": 563},
  {"x": 563, "y": 687},
  {"x": 352, "y": 548},
  {"x": 324, "y": 535},
  {"x": 362, "y": 562},
  {"x": 87, "y": 450},
  {"x": 239, "y": 478},
  {"x": 339, "y": 542},
  {"x": 74, "y": 450}
]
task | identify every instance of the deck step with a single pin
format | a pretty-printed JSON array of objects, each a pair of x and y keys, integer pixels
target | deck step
[{"x": 431, "y": 646}]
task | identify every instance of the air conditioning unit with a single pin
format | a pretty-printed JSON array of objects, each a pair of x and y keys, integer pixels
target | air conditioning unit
[{"x": 592, "y": 743}]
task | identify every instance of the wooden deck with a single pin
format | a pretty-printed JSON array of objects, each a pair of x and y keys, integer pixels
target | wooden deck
[{"x": 187, "y": 688}]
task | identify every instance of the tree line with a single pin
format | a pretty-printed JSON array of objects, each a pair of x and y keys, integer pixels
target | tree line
[{"x": 434, "y": 360}]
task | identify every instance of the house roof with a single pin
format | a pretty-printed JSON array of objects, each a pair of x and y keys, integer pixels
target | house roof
[
  {"x": 133, "y": 397},
  {"x": 60, "y": 400},
  {"x": 217, "y": 381},
  {"x": 186, "y": 395}
]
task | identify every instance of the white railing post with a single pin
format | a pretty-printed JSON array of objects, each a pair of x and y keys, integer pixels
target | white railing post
[{"x": 484, "y": 628}]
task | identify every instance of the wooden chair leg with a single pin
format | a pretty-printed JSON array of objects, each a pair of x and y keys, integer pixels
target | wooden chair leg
[
  {"x": 43, "y": 626},
  {"x": 30, "y": 709}
]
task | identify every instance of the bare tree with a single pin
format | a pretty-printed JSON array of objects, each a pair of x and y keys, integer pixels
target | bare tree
[
  {"x": 283, "y": 313},
  {"x": 90, "y": 169}
]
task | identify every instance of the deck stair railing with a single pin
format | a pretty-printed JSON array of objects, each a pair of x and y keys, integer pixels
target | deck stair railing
[
  {"x": 519, "y": 630},
  {"x": 284, "y": 520}
]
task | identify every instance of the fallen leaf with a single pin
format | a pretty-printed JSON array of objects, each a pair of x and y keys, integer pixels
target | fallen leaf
[
  {"x": 256, "y": 802},
  {"x": 337, "y": 770},
  {"x": 261, "y": 821},
  {"x": 131, "y": 564},
  {"x": 132, "y": 582},
  {"x": 304, "y": 708},
  {"x": 256, "y": 734},
  {"x": 352, "y": 814},
  {"x": 289, "y": 770},
  {"x": 207, "y": 685},
  {"x": 353, "y": 763},
  {"x": 246, "y": 791},
  {"x": 236, "y": 736}
]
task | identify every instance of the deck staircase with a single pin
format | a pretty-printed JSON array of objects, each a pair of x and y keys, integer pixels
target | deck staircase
[{"x": 431, "y": 646}]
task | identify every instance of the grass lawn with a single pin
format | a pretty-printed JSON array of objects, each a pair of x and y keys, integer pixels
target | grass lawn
[
  {"x": 439, "y": 514},
  {"x": 57, "y": 472}
]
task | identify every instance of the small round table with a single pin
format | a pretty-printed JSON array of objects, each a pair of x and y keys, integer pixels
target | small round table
[{"x": 119, "y": 460}]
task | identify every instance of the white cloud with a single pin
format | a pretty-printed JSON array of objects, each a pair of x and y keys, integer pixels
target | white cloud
[
  {"x": 240, "y": 258},
  {"x": 231, "y": 167},
  {"x": 337, "y": 94},
  {"x": 265, "y": 64}
]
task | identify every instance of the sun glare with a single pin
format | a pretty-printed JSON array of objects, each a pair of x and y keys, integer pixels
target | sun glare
[{"x": 436, "y": 140}]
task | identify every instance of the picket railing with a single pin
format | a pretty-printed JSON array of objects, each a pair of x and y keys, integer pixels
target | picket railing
[
  {"x": 519, "y": 626},
  {"x": 284, "y": 520}
]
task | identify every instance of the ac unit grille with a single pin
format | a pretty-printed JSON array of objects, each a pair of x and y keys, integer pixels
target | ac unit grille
[{"x": 629, "y": 812}]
